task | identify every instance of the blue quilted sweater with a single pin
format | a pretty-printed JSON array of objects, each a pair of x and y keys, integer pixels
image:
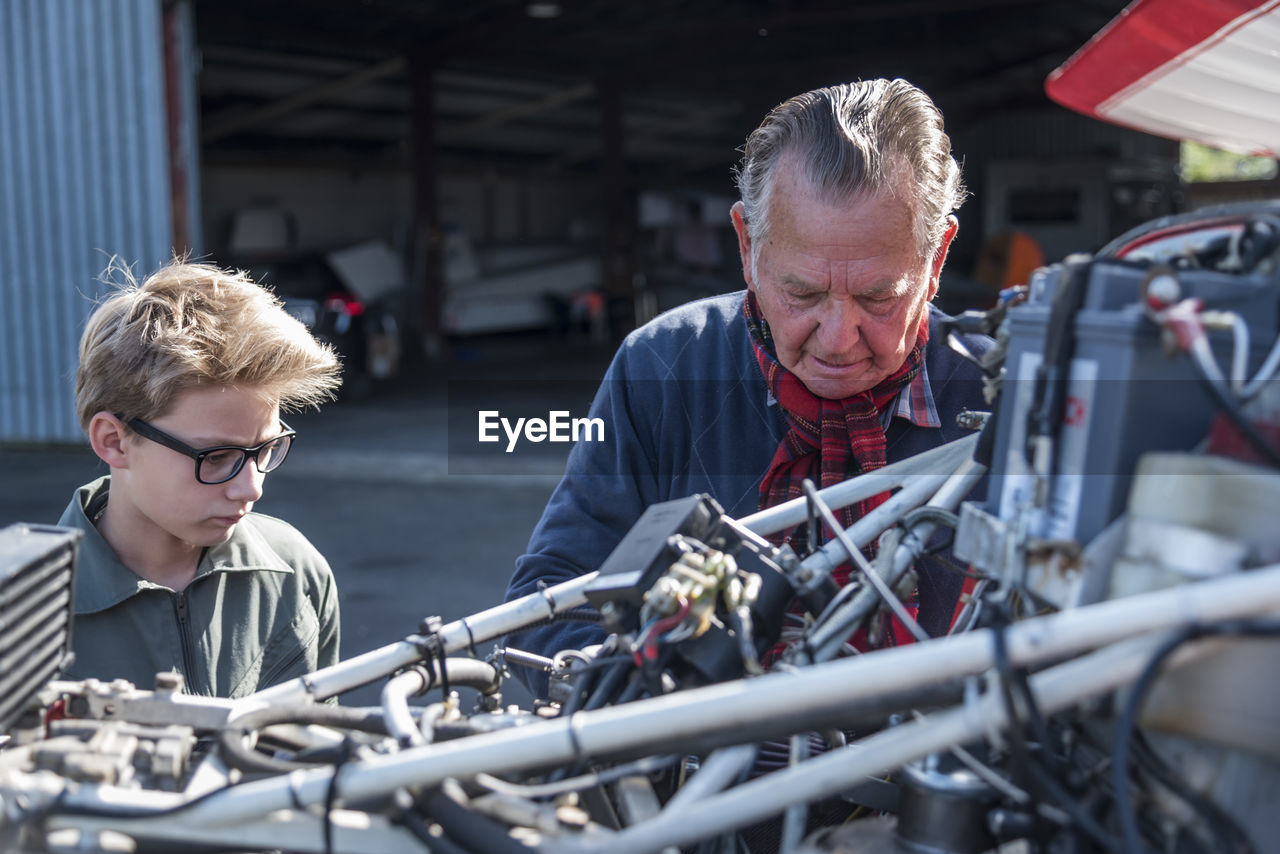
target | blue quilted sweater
[{"x": 686, "y": 410}]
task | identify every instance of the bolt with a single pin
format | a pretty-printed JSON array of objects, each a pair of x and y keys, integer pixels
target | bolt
[{"x": 170, "y": 681}]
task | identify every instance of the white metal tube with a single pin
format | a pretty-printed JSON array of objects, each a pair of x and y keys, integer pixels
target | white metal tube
[
  {"x": 353, "y": 832},
  {"x": 948, "y": 497},
  {"x": 959, "y": 485},
  {"x": 1061, "y": 687},
  {"x": 878, "y": 584},
  {"x": 943, "y": 458},
  {"x": 457, "y": 635},
  {"x": 827, "y": 640},
  {"x": 718, "y": 770},
  {"x": 869, "y": 527},
  {"x": 714, "y": 709}
]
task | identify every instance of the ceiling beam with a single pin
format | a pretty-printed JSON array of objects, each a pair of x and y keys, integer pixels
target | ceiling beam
[
  {"x": 220, "y": 127},
  {"x": 520, "y": 110}
]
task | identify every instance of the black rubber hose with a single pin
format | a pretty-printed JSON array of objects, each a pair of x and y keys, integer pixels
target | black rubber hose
[
  {"x": 1127, "y": 724},
  {"x": 231, "y": 739},
  {"x": 469, "y": 829},
  {"x": 416, "y": 825},
  {"x": 608, "y": 685},
  {"x": 468, "y": 672}
]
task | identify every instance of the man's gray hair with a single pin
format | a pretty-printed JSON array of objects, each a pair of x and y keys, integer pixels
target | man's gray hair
[{"x": 852, "y": 138}]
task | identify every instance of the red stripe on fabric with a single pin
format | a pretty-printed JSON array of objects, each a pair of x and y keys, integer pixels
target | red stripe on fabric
[{"x": 1146, "y": 36}]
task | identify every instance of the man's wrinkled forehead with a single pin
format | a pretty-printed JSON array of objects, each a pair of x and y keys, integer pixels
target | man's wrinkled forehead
[{"x": 797, "y": 170}]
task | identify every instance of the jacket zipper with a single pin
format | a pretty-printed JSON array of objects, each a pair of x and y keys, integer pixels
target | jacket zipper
[
  {"x": 184, "y": 640},
  {"x": 266, "y": 680}
]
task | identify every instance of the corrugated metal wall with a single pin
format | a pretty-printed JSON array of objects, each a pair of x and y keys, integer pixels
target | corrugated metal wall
[{"x": 83, "y": 177}]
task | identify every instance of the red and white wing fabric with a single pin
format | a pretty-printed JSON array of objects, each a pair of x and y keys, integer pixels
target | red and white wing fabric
[{"x": 1204, "y": 70}]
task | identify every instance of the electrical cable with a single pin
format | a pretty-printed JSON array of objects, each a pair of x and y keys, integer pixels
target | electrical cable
[
  {"x": 1024, "y": 764},
  {"x": 742, "y": 624},
  {"x": 1017, "y": 744},
  {"x": 1186, "y": 322},
  {"x": 812, "y": 525},
  {"x": 581, "y": 684},
  {"x": 1229, "y": 836},
  {"x": 331, "y": 793},
  {"x": 937, "y": 515},
  {"x": 586, "y": 678},
  {"x": 858, "y": 560},
  {"x": 1238, "y": 419},
  {"x": 1127, "y": 723},
  {"x": 607, "y": 686},
  {"x": 843, "y": 595},
  {"x": 443, "y": 672},
  {"x": 634, "y": 689}
]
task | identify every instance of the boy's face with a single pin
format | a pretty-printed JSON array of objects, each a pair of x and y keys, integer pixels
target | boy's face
[{"x": 158, "y": 488}]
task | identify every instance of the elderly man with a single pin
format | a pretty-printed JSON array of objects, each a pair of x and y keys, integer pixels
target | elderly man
[{"x": 829, "y": 364}]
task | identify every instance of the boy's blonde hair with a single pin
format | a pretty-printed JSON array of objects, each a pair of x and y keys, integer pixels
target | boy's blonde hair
[{"x": 194, "y": 325}]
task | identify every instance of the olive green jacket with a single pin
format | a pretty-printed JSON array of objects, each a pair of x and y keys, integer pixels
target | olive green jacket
[{"x": 262, "y": 609}]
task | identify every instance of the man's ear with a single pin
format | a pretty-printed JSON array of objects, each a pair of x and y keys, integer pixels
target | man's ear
[
  {"x": 940, "y": 254},
  {"x": 744, "y": 242},
  {"x": 107, "y": 437}
]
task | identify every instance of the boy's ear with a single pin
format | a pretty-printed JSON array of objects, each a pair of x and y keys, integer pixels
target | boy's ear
[{"x": 107, "y": 435}]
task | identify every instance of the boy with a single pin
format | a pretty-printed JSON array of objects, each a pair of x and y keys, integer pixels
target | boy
[{"x": 180, "y": 387}]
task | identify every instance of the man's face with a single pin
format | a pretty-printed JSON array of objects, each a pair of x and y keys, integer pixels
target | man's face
[
  {"x": 842, "y": 286},
  {"x": 159, "y": 490}
]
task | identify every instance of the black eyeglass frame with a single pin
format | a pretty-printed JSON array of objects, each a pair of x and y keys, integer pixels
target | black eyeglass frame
[{"x": 155, "y": 434}]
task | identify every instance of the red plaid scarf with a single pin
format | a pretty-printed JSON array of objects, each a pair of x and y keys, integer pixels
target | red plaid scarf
[{"x": 829, "y": 441}]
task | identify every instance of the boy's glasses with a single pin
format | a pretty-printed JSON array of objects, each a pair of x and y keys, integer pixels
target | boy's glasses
[{"x": 221, "y": 464}]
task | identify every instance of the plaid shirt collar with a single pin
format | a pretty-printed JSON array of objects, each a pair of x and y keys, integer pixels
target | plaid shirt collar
[{"x": 914, "y": 403}]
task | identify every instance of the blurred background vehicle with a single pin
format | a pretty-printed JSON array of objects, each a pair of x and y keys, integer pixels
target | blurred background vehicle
[{"x": 352, "y": 298}]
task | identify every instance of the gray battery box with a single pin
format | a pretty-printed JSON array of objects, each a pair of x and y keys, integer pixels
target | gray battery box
[{"x": 1124, "y": 395}]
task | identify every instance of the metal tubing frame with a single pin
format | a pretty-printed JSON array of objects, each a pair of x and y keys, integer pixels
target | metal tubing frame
[
  {"x": 459, "y": 635},
  {"x": 912, "y": 495},
  {"x": 790, "y": 699},
  {"x": 943, "y": 458},
  {"x": 1055, "y": 689},
  {"x": 827, "y": 640},
  {"x": 511, "y": 616}
]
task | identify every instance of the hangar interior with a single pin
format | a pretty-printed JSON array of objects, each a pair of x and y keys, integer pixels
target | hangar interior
[
  {"x": 469, "y": 139},
  {"x": 493, "y": 166}
]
